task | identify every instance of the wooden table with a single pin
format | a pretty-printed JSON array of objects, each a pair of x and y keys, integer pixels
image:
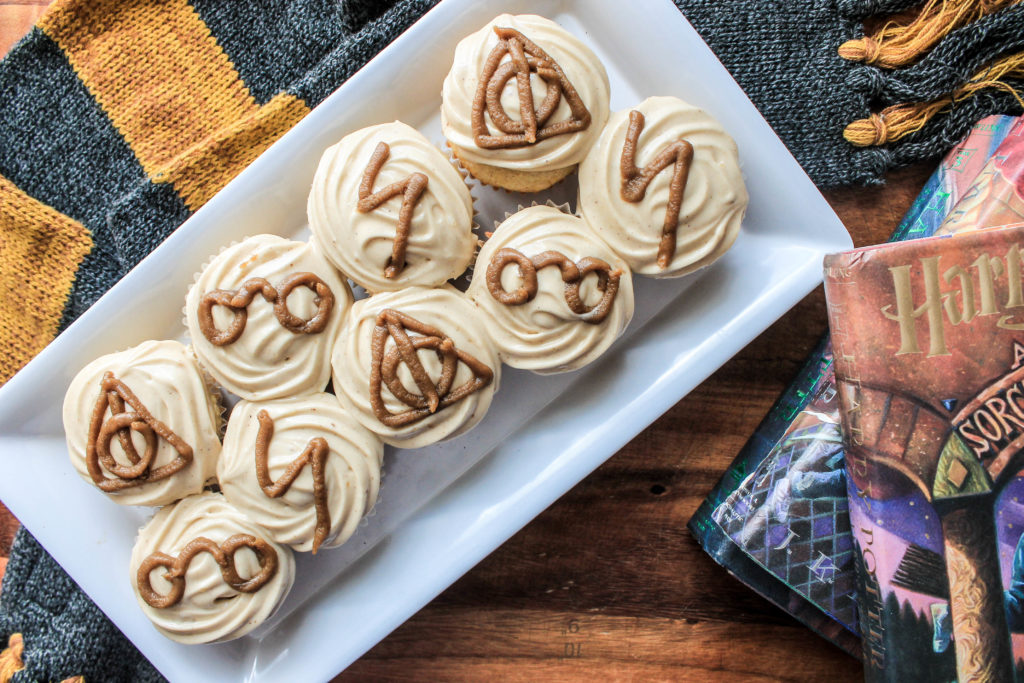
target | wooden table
[{"x": 608, "y": 582}]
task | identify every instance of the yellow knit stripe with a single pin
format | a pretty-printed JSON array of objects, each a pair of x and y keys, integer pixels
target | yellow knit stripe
[
  {"x": 169, "y": 89},
  {"x": 155, "y": 69},
  {"x": 10, "y": 658},
  {"x": 40, "y": 250},
  {"x": 206, "y": 168}
]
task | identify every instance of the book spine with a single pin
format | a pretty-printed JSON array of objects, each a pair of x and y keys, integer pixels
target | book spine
[{"x": 840, "y": 283}]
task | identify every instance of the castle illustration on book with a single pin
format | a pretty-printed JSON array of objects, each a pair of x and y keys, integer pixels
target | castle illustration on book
[{"x": 928, "y": 343}]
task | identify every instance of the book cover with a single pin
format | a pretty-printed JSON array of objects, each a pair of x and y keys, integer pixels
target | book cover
[
  {"x": 768, "y": 485},
  {"x": 928, "y": 340},
  {"x": 996, "y": 196}
]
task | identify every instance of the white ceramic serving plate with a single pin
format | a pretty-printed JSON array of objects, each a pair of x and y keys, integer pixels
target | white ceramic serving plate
[{"x": 442, "y": 508}]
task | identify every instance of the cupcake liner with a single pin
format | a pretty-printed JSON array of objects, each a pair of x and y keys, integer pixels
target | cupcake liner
[
  {"x": 564, "y": 208},
  {"x": 465, "y": 169},
  {"x": 365, "y": 521},
  {"x": 214, "y": 391}
]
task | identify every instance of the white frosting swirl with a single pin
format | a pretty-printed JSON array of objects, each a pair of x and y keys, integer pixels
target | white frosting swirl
[
  {"x": 543, "y": 334},
  {"x": 166, "y": 379},
  {"x": 210, "y": 610},
  {"x": 268, "y": 361},
  {"x": 441, "y": 242},
  {"x": 351, "y": 471},
  {"x": 713, "y": 204},
  {"x": 452, "y": 314},
  {"x": 580, "y": 65}
]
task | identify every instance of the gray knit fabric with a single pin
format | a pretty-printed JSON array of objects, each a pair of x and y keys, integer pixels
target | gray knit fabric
[
  {"x": 64, "y": 634},
  {"x": 783, "y": 53}
]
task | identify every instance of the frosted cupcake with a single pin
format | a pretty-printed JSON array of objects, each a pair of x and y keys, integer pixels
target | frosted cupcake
[
  {"x": 391, "y": 211},
  {"x": 302, "y": 468},
  {"x": 558, "y": 296},
  {"x": 662, "y": 186},
  {"x": 142, "y": 425},
  {"x": 203, "y": 572},
  {"x": 263, "y": 316},
  {"x": 416, "y": 366},
  {"x": 523, "y": 103}
]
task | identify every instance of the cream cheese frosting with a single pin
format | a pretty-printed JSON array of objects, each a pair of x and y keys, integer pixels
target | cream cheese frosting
[
  {"x": 155, "y": 396},
  {"x": 209, "y": 608},
  {"x": 443, "y": 328},
  {"x": 543, "y": 334},
  {"x": 579, "y": 64},
  {"x": 713, "y": 203},
  {"x": 350, "y": 471},
  {"x": 440, "y": 242},
  {"x": 267, "y": 359}
]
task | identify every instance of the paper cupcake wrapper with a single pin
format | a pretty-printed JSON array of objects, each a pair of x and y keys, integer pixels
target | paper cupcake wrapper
[{"x": 214, "y": 391}]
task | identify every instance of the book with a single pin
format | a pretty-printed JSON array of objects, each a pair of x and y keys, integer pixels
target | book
[
  {"x": 996, "y": 195},
  {"x": 771, "y": 487},
  {"x": 928, "y": 341}
]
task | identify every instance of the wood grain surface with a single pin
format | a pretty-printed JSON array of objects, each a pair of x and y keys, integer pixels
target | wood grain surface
[{"x": 608, "y": 583}]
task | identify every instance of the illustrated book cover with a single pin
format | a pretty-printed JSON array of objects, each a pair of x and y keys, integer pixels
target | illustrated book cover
[
  {"x": 928, "y": 340},
  {"x": 777, "y": 520}
]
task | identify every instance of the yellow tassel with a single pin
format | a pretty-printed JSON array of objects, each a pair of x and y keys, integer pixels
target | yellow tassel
[
  {"x": 897, "y": 44},
  {"x": 10, "y": 658},
  {"x": 900, "y": 120}
]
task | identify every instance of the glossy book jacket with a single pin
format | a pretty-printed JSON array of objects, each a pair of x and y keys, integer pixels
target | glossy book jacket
[
  {"x": 778, "y": 518},
  {"x": 928, "y": 339}
]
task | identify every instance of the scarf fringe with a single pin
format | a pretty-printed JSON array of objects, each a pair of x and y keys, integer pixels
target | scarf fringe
[
  {"x": 898, "y": 44},
  {"x": 900, "y": 120}
]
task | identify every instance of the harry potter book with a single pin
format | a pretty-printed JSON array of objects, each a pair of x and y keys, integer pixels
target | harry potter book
[
  {"x": 778, "y": 518},
  {"x": 928, "y": 341}
]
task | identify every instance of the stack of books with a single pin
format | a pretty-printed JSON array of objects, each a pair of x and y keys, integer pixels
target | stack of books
[{"x": 881, "y": 501}]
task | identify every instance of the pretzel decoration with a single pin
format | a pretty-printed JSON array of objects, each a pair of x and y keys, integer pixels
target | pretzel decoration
[
  {"x": 238, "y": 301},
  {"x": 572, "y": 276},
  {"x": 411, "y": 189},
  {"x": 432, "y": 397},
  {"x": 224, "y": 554},
  {"x": 635, "y": 180},
  {"x": 526, "y": 58},
  {"x": 314, "y": 455},
  {"x": 114, "y": 394}
]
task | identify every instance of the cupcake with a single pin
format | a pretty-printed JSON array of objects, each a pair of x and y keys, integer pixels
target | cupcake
[
  {"x": 391, "y": 211},
  {"x": 143, "y": 425},
  {"x": 523, "y": 103},
  {"x": 203, "y": 572},
  {"x": 662, "y": 186},
  {"x": 556, "y": 295},
  {"x": 416, "y": 366},
  {"x": 302, "y": 468},
  {"x": 263, "y": 316}
]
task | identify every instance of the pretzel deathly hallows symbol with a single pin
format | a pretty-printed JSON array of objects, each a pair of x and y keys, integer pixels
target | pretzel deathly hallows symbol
[
  {"x": 238, "y": 302},
  {"x": 432, "y": 397},
  {"x": 315, "y": 455},
  {"x": 526, "y": 58},
  {"x": 635, "y": 180},
  {"x": 223, "y": 554},
  {"x": 114, "y": 394},
  {"x": 411, "y": 188},
  {"x": 572, "y": 276}
]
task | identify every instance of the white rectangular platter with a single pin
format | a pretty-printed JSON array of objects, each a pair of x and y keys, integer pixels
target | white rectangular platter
[{"x": 442, "y": 508}]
